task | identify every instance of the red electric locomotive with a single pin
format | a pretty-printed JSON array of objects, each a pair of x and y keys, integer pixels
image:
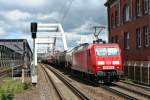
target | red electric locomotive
[{"x": 102, "y": 62}]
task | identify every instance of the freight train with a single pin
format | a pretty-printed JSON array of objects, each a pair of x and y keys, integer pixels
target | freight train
[{"x": 99, "y": 62}]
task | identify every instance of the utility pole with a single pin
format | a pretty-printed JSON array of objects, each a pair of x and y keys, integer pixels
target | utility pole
[
  {"x": 24, "y": 61},
  {"x": 54, "y": 45}
]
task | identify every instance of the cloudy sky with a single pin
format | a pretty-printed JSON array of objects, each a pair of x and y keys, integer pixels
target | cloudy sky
[{"x": 16, "y": 16}]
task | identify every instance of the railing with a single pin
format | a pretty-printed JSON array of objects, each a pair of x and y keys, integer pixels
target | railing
[{"x": 138, "y": 71}]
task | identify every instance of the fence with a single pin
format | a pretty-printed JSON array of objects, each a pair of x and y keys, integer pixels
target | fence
[{"x": 138, "y": 71}]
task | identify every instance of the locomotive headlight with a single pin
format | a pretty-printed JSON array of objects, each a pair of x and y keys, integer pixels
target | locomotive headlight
[
  {"x": 115, "y": 62},
  {"x": 100, "y": 62},
  {"x": 118, "y": 67}
]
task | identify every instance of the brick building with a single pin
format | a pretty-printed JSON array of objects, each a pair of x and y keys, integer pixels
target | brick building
[{"x": 129, "y": 25}]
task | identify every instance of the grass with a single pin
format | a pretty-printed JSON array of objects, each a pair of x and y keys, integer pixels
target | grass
[
  {"x": 10, "y": 87},
  {"x": 128, "y": 80}
]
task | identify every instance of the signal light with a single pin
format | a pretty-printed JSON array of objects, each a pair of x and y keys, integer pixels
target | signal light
[
  {"x": 33, "y": 29},
  {"x": 33, "y": 35}
]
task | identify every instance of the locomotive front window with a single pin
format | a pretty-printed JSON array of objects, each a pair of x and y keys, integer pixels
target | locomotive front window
[
  {"x": 112, "y": 51},
  {"x": 101, "y": 51},
  {"x": 106, "y": 51}
]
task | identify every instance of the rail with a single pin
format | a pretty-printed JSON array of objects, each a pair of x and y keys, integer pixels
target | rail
[
  {"x": 66, "y": 82},
  {"x": 55, "y": 87},
  {"x": 134, "y": 88}
]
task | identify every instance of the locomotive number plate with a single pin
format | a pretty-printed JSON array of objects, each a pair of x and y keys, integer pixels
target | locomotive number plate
[{"x": 108, "y": 67}]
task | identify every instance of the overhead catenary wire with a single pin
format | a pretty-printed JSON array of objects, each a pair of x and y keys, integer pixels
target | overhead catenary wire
[
  {"x": 66, "y": 7},
  {"x": 63, "y": 6}
]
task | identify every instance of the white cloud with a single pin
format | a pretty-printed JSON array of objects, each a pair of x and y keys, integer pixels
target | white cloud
[
  {"x": 86, "y": 28},
  {"x": 24, "y": 3},
  {"x": 2, "y": 31},
  {"x": 29, "y": 39},
  {"x": 2, "y": 22},
  {"x": 75, "y": 38},
  {"x": 14, "y": 15},
  {"x": 52, "y": 16}
]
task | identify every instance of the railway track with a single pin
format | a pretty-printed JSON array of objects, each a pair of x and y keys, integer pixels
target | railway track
[
  {"x": 108, "y": 88},
  {"x": 128, "y": 92},
  {"x": 4, "y": 73},
  {"x": 137, "y": 85},
  {"x": 65, "y": 90},
  {"x": 113, "y": 90},
  {"x": 136, "y": 89},
  {"x": 131, "y": 94},
  {"x": 125, "y": 92},
  {"x": 121, "y": 91},
  {"x": 59, "y": 95}
]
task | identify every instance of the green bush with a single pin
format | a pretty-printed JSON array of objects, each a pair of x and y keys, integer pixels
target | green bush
[
  {"x": 6, "y": 96},
  {"x": 10, "y": 87}
]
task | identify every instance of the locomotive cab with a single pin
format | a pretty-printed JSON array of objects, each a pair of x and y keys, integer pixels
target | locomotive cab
[{"x": 108, "y": 62}]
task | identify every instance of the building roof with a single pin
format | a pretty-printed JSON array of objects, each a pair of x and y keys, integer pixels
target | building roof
[
  {"x": 16, "y": 44},
  {"x": 109, "y": 2}
]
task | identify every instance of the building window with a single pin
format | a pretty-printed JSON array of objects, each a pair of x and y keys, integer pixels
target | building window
[
  {"x": 0, "y": 55},
  {"x": 138, "y": 8},
  {"x": 146, "y": 6},
  {"x": 146, "y": 36},
  {"x": 112, "y": 21},
  {"x": 126, "y": 13},
  {"x": 138, "y": 38},
  {"x": 116, "y": 18},
  {"x": 116, "y": 38},
  {"x": 112, "y": 39},
  {"x": 126, "y": 41}
]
